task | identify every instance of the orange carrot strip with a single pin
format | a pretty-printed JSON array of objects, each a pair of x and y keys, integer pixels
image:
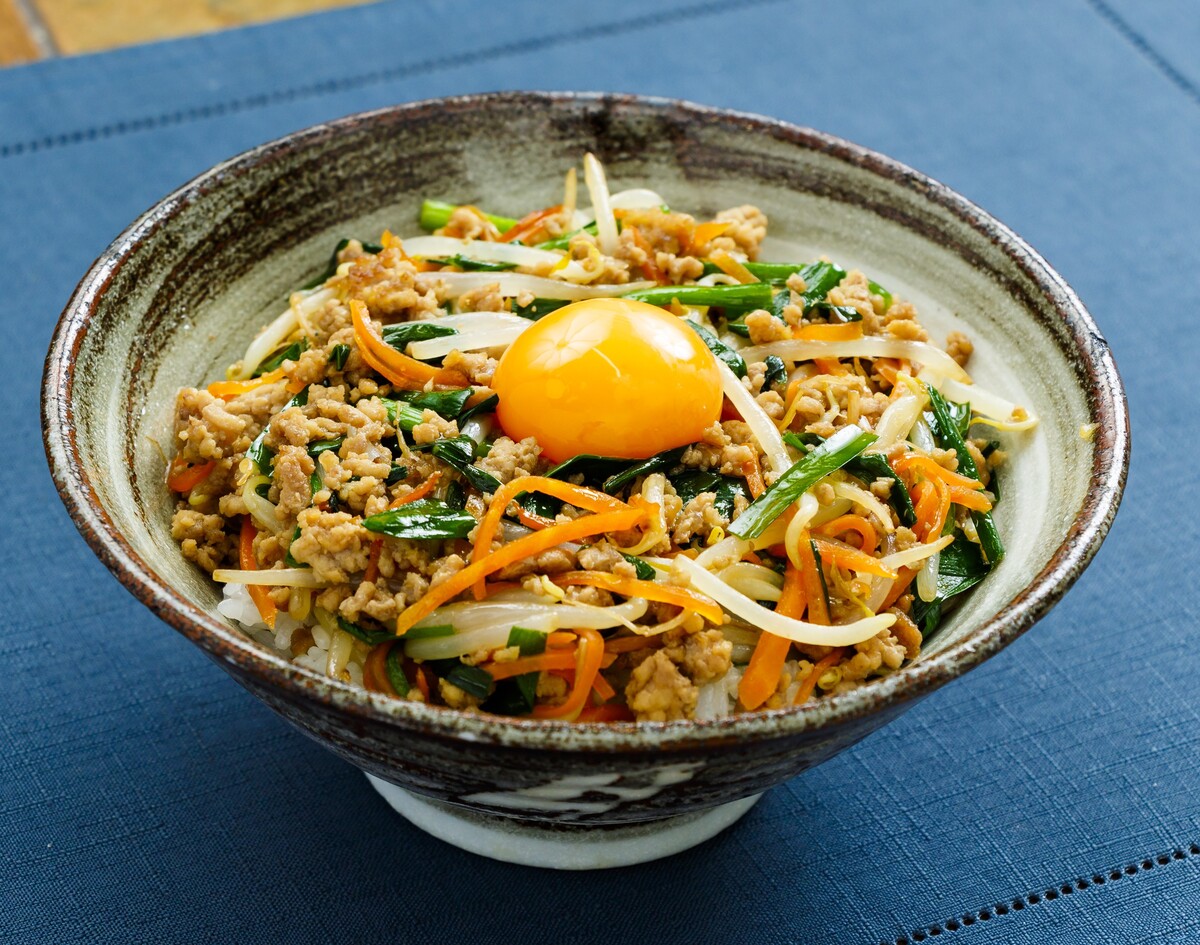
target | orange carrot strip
[
  {"x": 227, "y": 390},
  {"x": 560, "y": 638},
  {"x": 851, "y": 523},
  {"x": 603, "y": 688},
  {"x": 423, "y": 682},
  {"x": 609, "y": 712},
  {"x": 529, "y": 520},
  {"x": 705, "y": 606},
  {"x": 705, "y": 233},
  {"x": 899, "y": 587},
  {"x": 830, "y": 366},
  {"x": 761, "y": 678},
  {"x": 588, "y": 655},
  {"x": 259, "y": 593},
  {"x": 523, "y": 547},
  {"x": 941, "y": 513},
  {"x": 419, "y": 492},
  {"x": 814, "y": 590},
  {"x": 499, "y": 587},
  {"x": 400, "y": 369},
  {"x": 969, "y": 499},
  {"x": 184, "y": 478},
  {"x": 588, "y": 499},
  {"x": 848, "y": 331},
  {"x": 846, "y": 557},
  {"x": 372, "y": 571},
  {"x": 810, "y": 681},
  {"x": 934, "y": 471},
  {"x": 752, "y": 470},
  {"x": 558, "y": 658},
  {"x": 528, "y": 224},
  {"x": 375, "y": 677}
]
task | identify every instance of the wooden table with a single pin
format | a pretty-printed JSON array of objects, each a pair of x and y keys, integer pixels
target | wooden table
[{"x": 39, "y": 29}]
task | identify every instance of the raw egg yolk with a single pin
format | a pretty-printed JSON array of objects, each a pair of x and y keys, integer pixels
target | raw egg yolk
[{"x": 611, "y": 377}]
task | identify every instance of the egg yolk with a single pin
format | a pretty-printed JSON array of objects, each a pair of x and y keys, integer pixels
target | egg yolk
[{"x": 611, "y": 377}]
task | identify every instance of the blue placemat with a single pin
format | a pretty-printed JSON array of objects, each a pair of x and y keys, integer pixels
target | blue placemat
[{"x": 1051, "y": 796}]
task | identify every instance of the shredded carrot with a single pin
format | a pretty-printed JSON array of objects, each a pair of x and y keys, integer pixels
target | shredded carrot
[
  {"x": 558, "y": 658},
  {"x": 933, "y": 470},
  {"x": 531, "y": 544},
  {"x": 846, "y": 331},
  {"x": 706, "y": 607},
  {"x": 419, "y": 492},
  {"x": 589, "y": 653},
  {"x": 731, "y": 266},
  {"x": 830, "y": 366},
  {"x": 825, "y": 663},
  {"x": 528, "y": 224},
  {"x": 400, "y": 369},
  {"x": 602, "y": 688},
  {"x": 529, "y": 520},
  {"x": 227, "y": 390},
  {"x": 185, "y": 478},
  {"x": 752, "y": 470},
  {"x": 851, "y": 523},
  {"x": 846, "y": 557},
  {"x": 761, "y": 678},
  {"x": 969, "y": 499},
  {"x": 931, "y": 503},
  {"x": 705, "y": 233},
  {"x": 560, "y": 638},
  {"x": 609, "y": 712},
  {"x": 814, "y": 587},
  {"x": 372, "y": 571},
  {"x": 375, "y": 677},
  {"x": 423, "y": 682},
  {"x": 584, "y": 498},
  {"x": 649, "y": 267},
  {"x": 888, "y": 368},
  {"x": 259, "y": 593},
  {"x": 899, "y": 587}
]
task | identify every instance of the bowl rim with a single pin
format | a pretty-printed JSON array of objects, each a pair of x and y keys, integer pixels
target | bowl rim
[{"x": 1107, "y": 407}]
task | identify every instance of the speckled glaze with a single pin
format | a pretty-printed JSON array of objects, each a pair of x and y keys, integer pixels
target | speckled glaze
[{"x": 178, "y": 295}]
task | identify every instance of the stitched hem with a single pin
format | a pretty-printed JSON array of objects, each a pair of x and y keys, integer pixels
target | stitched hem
[
  {"x": 375, "y": 77},
  {"x": 1050, "y": 894},
  {"x": 1143, "y": 46}
]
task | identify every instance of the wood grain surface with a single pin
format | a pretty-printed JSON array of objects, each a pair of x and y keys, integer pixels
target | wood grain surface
[{"x": 78, "y": 26}]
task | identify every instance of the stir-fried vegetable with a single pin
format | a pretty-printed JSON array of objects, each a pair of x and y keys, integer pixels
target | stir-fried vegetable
[{"x": 744, "y": 550}]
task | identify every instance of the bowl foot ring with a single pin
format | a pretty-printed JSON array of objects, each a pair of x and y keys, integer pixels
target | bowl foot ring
[{"x": 562, "y": 848}]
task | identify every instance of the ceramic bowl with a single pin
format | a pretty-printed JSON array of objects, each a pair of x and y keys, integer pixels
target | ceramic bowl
[{"x": 174, "y": 299}]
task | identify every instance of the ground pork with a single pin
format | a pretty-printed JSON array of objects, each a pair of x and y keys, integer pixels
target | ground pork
[
  {"x": 554, "y": 561},
  {"x": 484, "y": 299},
  {"x": 476, "y": 366},
  {"x": 745, "y": 235},
  {"x": 205, "y": 429},
  {"x": 719, "y": 450},
  {"x": 765, "y": 327},
  {"x": 202, "y": 538},
  {"x": 507, "y": 460},
  {"x": 468, "y": 223},
  {"x": 697, "y": 519},
  {"x": 603, "y": 556},
  {"x": 293, "y": 467},
  {"x": 702, "y": 656},
  {"x": 390, "y": 286},
  {"x": 658, "y": 692},
  {"x": 333, "y": 543},
  {"x": 959, "y": 347}
]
